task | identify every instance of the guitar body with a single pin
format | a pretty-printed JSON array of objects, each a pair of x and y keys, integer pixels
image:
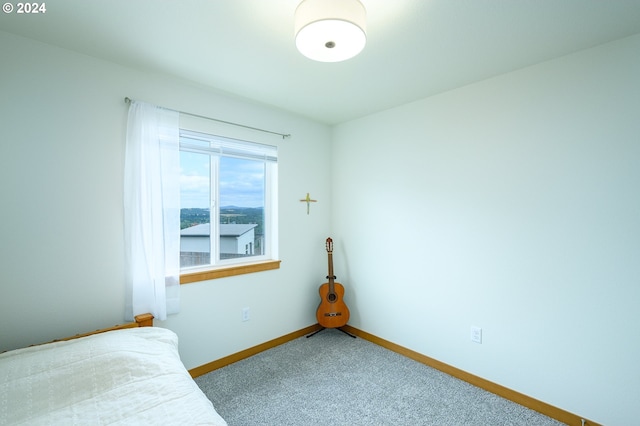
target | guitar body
[{"x": 332, "y": 311}]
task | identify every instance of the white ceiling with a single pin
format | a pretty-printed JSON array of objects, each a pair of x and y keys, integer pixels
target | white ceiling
[{"x": 415, "y": 48}]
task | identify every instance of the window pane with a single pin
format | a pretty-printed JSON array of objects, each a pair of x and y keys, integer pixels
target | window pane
[
  {"x": 227, "y": 185},
  {"x": 195, "y": 202},
  {"x": 242, "y": 202}
]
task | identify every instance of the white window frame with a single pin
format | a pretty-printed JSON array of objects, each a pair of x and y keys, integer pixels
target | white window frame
[{"x": 224, "y": 146}]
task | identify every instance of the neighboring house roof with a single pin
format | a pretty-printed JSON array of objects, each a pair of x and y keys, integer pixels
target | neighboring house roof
[
  {"x": 202, "y": 230},
  {"x": 226, "y": 230},
  {"x": 235, "y": 230}
]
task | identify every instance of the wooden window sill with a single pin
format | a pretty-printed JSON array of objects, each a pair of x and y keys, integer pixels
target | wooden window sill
[{"x": 228, "y": 271}]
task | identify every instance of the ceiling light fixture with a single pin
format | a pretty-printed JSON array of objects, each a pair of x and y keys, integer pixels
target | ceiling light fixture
[{"x": 330, "y": 30}]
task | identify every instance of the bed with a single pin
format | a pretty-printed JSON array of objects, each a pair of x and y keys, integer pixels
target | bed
[{"x": 129, "y": 374}]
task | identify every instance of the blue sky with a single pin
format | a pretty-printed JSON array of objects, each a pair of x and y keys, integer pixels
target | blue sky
[{"x": 241, "y": 181}]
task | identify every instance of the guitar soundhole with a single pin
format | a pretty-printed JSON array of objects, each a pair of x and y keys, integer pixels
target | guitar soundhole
[{"x": 332, "y": 297}]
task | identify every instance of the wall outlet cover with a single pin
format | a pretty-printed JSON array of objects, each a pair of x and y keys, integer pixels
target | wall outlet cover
[{"x": 476, "y": 334}]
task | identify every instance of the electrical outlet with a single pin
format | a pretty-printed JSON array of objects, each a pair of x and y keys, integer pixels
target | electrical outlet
[
  {"x": 476, "y": 334},
  {"x": 246, "y": 314}
]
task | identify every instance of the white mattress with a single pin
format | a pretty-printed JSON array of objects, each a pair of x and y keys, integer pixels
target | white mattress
[{"x": 132, "y": 377}]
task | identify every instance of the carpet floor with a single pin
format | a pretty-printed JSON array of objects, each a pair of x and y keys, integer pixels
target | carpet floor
[{"x": 333, "y": 379}]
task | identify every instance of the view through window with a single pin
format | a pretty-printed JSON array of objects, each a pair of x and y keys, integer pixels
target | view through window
[{"x": 226, "y": 190}]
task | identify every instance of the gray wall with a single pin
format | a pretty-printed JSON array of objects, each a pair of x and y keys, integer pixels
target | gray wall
[
  {"x": 61, "y": 230},
  {"x": 512, "y": 205}
]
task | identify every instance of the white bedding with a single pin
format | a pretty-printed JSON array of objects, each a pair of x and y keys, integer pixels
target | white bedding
[{"x": 132, "y": 377}]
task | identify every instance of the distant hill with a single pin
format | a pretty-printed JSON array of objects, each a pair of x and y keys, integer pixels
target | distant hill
[{"x": 228, "y": 214}]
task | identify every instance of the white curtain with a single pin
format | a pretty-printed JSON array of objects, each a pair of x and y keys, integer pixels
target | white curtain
[{"x": 152, "y": 211}]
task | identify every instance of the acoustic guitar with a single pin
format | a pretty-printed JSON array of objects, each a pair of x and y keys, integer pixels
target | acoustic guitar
[{"x": 332, "y": 311}]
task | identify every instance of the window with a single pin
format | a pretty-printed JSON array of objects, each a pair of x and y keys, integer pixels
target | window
[{"x": 228, "y": 202}]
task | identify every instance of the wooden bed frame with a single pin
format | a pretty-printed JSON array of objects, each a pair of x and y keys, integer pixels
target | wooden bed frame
[{"x": 142, "y": 320}]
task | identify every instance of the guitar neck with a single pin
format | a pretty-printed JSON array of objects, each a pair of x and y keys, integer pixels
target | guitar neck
[{"x": 331, "y": 277}]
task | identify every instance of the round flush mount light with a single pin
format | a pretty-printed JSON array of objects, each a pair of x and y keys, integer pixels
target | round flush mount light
[{"x": 330, "y": 30}]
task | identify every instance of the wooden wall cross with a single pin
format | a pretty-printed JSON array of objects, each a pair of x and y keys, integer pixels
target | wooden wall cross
[{"x": 308, "y": 200}]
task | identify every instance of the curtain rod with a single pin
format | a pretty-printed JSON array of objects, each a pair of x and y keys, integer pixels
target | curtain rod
[{"x": 284, "y": 135}]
